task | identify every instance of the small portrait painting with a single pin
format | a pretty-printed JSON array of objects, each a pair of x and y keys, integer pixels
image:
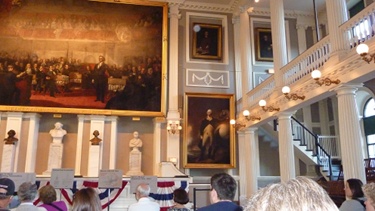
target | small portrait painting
[
  {"x": 207, "y": 40},
  {"x": 264, "y": 49}
]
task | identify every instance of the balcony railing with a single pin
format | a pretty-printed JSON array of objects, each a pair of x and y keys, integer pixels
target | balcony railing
[{"x": 358, "y": 29}]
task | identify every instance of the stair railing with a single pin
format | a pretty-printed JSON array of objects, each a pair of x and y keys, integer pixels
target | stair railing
[{"x": 310, "y": 140}]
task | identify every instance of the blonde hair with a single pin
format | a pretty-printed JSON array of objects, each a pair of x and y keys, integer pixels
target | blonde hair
[
  {"x": 296, "y": 194},
  {"x": 369, "y": 190},
  {"x": 86, "y": 199}
]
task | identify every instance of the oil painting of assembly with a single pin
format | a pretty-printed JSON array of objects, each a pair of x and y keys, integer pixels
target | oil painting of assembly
[{"x": 96, "y": 56}]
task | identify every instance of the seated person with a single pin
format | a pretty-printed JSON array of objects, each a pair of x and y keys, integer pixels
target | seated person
[
  {"x": 144, "y": 202},
  {"x": 86, "y": 199},
  {"x": 180, "y": 198},
  {"x": 47, "y": 194}
]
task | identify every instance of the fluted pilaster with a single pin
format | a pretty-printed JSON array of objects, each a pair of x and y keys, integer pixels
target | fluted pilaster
[{"x": 286, "y": 148}]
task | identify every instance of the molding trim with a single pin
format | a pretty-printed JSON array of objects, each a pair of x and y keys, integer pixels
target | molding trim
[{"x": 207, "y": 78}]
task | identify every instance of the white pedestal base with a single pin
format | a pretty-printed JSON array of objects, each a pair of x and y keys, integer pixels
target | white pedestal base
[
  {"x": 94, "y": 161},
  {"x": 135, "y": 162},
  {"x": 54, "y": 157},
  {"x": 7, "y": 161}
]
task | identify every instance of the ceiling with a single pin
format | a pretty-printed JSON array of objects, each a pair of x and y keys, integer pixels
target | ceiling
[{"x": 298, "y": 5}]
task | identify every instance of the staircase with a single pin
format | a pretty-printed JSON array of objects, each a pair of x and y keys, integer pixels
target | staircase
[{"x": 322, "y": 151}]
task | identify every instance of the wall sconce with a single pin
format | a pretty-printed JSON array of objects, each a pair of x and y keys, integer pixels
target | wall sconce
[
  {"x": 246, "y": 114},
  {"x": 362, "y": 50},
  {"x": 294, "y": 96},
  {"x": 174, "y": 127},
  {"x": 235, "y": 124},
  {"x": 263, "y": 103},
  {"x": 316, "y": 74}
]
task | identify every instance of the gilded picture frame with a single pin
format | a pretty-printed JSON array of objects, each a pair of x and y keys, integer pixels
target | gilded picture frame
[
  {"x": 207, "y": 41},
  {"x": 127, "y": 34},
  {"x": 209, "y": 139},
  {"x": 263, "y": 45}
]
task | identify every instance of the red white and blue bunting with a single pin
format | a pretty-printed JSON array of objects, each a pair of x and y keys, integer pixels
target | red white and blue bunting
[{"x": 164, "y": 194}]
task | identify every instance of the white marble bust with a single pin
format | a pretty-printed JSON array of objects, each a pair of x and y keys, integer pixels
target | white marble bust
[
  {"x": 135, "y": 142},
  {"x": 57, "y": 133}
]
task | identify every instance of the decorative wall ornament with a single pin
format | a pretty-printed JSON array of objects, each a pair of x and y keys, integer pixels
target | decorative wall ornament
[{"x": 207, "y": 78}]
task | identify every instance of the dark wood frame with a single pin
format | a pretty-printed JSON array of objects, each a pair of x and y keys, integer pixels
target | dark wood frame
[
  {"x": 263, "y": 49},
  {"x": 215, "y": 48},
  {"x": 223, "y": 145}
]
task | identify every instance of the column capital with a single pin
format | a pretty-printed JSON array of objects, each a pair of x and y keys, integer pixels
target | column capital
[
  {"x": 285, "y": 114},
  {"x": 174, "y": 11},
  {"x": 348, "y": 88}
]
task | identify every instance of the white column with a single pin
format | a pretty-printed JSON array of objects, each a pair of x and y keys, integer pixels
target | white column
[
  {"x": 245, "y": 55},
  {"x": 286, "y": 148},
  {"x": 323, "y": 116},
  {"x": 278, "y": 39},
  {"x": 252, "y": 160},
  {"x": 237, "y": 55},
  {"x": 350, "y": 136},
  {"x": 97, "y": 122},
  {"x": 157, "y": 144},
  {"x": 77, "y": 169},
  {"x": 113, "y": 142},
  {"x": 173, "y": 140},
  {"x": 337, "y": 15},
  {"x": 14, "y": 122},
  {"x": 242, "y": 167},
  {"x": 301, "y": 34},
  {"x": 32, "y": 142}
]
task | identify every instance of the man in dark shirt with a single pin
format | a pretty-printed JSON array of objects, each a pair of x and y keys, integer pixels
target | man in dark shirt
[
  {"x": 100, "y": 77},
  {"x": 223, "y": 190}
]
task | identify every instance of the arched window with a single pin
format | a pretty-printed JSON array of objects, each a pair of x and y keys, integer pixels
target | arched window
[{"x": 369, "y": 126}]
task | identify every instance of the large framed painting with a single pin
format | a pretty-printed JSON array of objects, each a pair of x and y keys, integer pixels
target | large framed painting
[
  {"x": 263, "y": 45},
  {"x": 208, "y": 136},
  {"x": 101, "y": 57},
  {"x": 207, "y": 41}
]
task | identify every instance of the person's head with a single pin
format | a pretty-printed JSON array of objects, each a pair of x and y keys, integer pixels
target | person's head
[
  {"x": 353, "y": 188},
  {"x": 209, "y": 112},
  {"x": 10, "y": 68},
  {"x": 297, "y": 194},
  {"x": 27, "y": 191},
  {"x": 369, "y": 190},
  {"x": 223, "y": 187},
  {"x": 11, "y": 133},
  {"x": 6, "y": 192},
  {"x": 86, "y": 199},
  {"x": 95, "y": 133},
  {"x": 101, "y": 59},
  {"x": 143, "y": 190},
  {"x": 135, "y": 134},
  {"x": 47, "y": 194},
  {"x": 180, "y": 196},
  {"x": 58, "y": 125}
]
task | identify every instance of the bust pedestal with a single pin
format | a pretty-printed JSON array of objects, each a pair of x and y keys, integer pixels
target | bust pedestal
[
  {"x": 54, "y": 157},
  {"x": 7, "y": 161},
  {"x": 135, "y": 162},
  {"x": 94, "y": 161}
]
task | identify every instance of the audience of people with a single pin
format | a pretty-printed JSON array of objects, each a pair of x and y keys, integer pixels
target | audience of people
[
  {"x": 297, "y": 194},
  {"x": 86, "y": 199},
  {"x": 6, "y": 193},
  {"x": 223, "y": 190},
  {"x": 180, "y": 198},
  {"x": 143, "y": 201},
  {"x": 354, "y": 196},
  {"x": 47, "y": 195},
  {"x": 32, "y": 75}
]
